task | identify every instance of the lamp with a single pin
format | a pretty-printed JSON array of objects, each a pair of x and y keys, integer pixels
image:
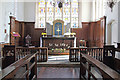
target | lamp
[
  {"x": 60, "y": 4},
  {"x": 111, "y": 3}
]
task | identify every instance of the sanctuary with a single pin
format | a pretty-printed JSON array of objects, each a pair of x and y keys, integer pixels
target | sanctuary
[{"x": 60, "y": 36}]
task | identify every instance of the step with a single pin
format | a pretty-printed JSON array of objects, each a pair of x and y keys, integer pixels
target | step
[{"x": 58, "y": 64}]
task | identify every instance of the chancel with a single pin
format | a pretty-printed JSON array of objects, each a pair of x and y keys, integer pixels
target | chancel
[{"x": 59, "y": 39}]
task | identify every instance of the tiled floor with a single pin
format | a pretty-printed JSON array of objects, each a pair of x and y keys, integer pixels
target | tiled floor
[
  {"x": 53, "y": 72},
  {"x": 62, "y": 72},
  {"x": 58, "y": 72}
]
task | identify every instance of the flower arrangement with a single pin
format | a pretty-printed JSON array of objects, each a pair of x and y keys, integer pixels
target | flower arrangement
[
  {"x": 44, "y": 34},
  {"x": 73, "y": 34}
]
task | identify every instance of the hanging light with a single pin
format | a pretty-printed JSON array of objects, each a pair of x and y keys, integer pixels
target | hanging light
[{"x": 60, "y": 4}]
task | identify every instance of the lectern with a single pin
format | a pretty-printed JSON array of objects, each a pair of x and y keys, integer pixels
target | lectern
[{"x": 15, "y": 35}]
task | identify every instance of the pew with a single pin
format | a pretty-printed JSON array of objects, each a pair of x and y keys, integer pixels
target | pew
[
  {"x": 8, "y": 55},
  {"x": 25, "y": 68},
  {"x": 103, "y": 70}
]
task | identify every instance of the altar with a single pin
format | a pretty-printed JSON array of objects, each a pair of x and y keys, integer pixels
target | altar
[
  {"x": 58, "y": 37},
  {"x": 58, "y": 42}
]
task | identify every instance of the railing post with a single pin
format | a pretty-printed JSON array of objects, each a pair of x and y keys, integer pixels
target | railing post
[
  {"x": 89, "y": 69},
  {"x": 80, "y": 65},
  {"x": 69, "y": 54}
]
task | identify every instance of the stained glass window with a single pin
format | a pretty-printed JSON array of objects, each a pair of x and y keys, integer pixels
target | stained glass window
[
  {"x": 74, "y": 14},
  {"x": 58, "y": 11},
  {"x": 66, "y": 12},
  {"x": 41, "y": 14},
  {"x": 48, "y": 11}
]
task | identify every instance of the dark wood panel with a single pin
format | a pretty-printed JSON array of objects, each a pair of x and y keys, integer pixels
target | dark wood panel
[
  {"x": 34, "y": 33},
  {"x": 17, "y": 29},
  {"x": 92, "y": 32},
  {"x": 78, "y": 32},
  {"x": 12, "y": 29},
  {"x": 60, "y": 42}
]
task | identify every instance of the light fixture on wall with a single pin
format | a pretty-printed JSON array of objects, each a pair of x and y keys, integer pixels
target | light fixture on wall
[{"x": 111, "y": 3}]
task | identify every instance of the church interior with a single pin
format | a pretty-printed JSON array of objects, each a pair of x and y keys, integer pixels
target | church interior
[{"x": 60, "y": 39}]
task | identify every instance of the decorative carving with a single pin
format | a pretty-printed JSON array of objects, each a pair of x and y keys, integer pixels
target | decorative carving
[{"x": 111, "y": 3}]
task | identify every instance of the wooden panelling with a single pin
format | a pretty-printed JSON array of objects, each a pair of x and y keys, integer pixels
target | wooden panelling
[
  {"x": 17, "y": 29},
  {"x": 21, "y": 32},
  {"x": 12, "y": 29},
  {"x": 81, "y": 33},
  {"x": 15, "y": 26},
  {"x": 34, "y": 33},
  {"x": 92, "y": 32}
]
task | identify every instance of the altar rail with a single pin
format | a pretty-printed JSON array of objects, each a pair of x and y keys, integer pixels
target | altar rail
[
  {"x": 42, "y": 53},
  {"x": 74, "y": 55},
  {"x": 88, "y": 65}
]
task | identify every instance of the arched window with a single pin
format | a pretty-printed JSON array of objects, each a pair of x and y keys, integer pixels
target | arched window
[
  {"x": 50, "y": 11},
  {"x": 41, "y": 14},
  {"x": 47, "y": 11}
]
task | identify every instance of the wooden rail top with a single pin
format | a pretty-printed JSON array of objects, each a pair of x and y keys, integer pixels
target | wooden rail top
[
  {"x": 23, "y": 61},
  {"x": 85, "y": 48},
  {"x": 15, "y": 65},
  {"x": 31, "y": 47},
  {"x": 110, "y": 72},
  {"x": 6, "y": 72}
]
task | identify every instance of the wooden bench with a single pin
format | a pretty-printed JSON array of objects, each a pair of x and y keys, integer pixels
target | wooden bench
[
  {"x": 105, "y": 71},
  {"x": 25, "y": 68}
]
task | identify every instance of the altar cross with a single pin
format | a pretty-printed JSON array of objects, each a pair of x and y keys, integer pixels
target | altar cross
[{"x": 58, "y": 30}]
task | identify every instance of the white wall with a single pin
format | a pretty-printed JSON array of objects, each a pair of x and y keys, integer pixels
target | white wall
[
  {"x": 29, "y": 11},
  {"x": 7, "y": 7},
  {"x": 112, "y": 17},
  {"x": 20, "y": 11},
  {"x": 119, "y": 22},
  {"x": 0, "y": 20},
  {"x": 17, "y": 10},
  {"x": 86, "y": 11},
  {"x": 118, "y": 54},
  {"x": 23, "y": 11}
]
